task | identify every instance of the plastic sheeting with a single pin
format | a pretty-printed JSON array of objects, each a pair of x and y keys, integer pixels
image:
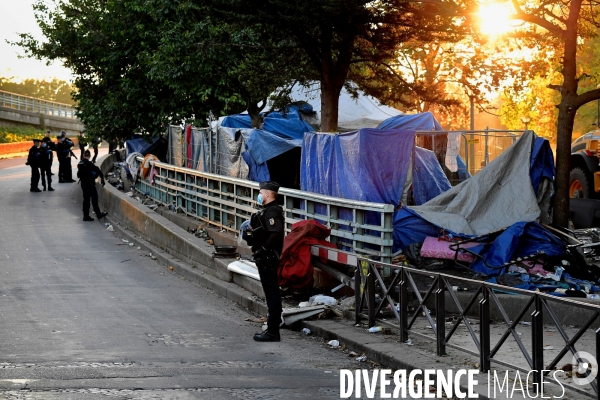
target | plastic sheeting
[
  {"x": 418, "y": 122},
  {"x": 263, "y": 145},
  {"x": 368, "y": 165},
  {"x": 429, "y": 179},
  {"x": 499, "y": 196},
  {"x": 287, "y": 125},
  {"x": 231, "y": 145},
  {"x": 176, "y": 146}
]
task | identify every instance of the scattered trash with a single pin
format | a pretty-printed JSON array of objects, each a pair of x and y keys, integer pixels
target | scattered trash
[
  {"x": 306, "y": 331},
  {"x": 106, "y": 224},
  {"x": 361, "y": 358},
  {"x": 526, "y": 323},
  {"x": 409, "y": 342},
  {"x": 170, "y": 268},
  {"x": 261, "y": 319},
  {"x": 334, "y": 343},
  {"x": 139, "y": 248},
  {"x": 125, "y": 240},
  {"x": 110, "y": 228},
  {"x": 375, "y": 329},
  {"x": 352, "y": 354},
  {"x": 321, "y": 299},
  {"x": 304, "y": 304},
  {"x": 548, "y": 347},
  {"x": 131, "y": 244},
  {"x": 153, "y": 256}
]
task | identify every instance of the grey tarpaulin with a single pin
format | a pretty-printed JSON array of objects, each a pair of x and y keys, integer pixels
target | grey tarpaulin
[
  {"x": 500, "y": 195},
  {"x": 176, "y": 148},
  {"x": 231, "y": 145}
]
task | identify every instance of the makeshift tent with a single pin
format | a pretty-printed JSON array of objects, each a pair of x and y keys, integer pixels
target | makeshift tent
[
  {"x": 138, "y": 144},
  {"x": 376, "y": 165},
  {"x": 418, "y": 122},
  {"x": 287, "y": 124},
  {"x": 354, "y": 113},
  {"x": 501, "y": 195}
]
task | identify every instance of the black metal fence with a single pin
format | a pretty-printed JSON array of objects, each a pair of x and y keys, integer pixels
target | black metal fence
[{"x": 370, "y": 283}]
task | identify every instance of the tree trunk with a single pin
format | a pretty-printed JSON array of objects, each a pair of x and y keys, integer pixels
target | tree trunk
[
  {"x": 330, "y": 102},
  {"x": 254, "y": 112},
  {"x": 566, "y": 118}
]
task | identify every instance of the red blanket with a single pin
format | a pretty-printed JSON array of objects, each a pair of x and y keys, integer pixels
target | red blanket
[{"x": 295, "y": 269}]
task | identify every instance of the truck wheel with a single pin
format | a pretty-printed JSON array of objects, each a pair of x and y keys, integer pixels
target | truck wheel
[{"x": 581, "y": 184}]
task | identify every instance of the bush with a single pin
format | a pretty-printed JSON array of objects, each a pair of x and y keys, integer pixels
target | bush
[{"x": 12, "y": 134}]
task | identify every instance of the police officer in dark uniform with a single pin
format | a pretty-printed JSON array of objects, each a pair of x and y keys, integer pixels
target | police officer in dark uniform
[
  {"x": 82, "y": 141},
  {"x": 87, "y": 173},
  {"x": 46, "y": 163},
  {"x": 95, "y": 143},
  {"x": 64, "y": 153},
  {"x": 267, "y": 244},
  {"x": 52, "y": 146},
  {"x": 34, "y": 159}
]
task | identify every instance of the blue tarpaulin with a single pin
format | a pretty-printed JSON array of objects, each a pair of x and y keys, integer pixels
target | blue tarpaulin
[
  {"x": 368, "y": 164},
  {"x": 263, "y": 145},
  {"x": 286, "y": 125},
  {"x": 417, "y": 122},
  {"x": 429, "y": 179}
]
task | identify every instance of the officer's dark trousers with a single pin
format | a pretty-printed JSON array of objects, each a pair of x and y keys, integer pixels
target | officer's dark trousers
[
  {"x": 90, "y": 193},
  {"x": 46, "y": 175},
  {"x": 35, "y": 177},
  {"x": 267, "y": 270},
  {"x": 65, "y": 173},
  {"x": 95, "y": 154}
]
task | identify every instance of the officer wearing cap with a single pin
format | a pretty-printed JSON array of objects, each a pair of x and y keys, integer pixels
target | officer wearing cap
[
  {"x": 51, "y": 146},
  {"x": 34, "y": 159},
  {"x": 87, "y": 173},
  {"x": 267, "y": 244},
  {"x": 64, "y": 153}
]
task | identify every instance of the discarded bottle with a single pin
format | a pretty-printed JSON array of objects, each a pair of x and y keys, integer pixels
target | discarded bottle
[
  {"x": 459, "y": 289},
  {"x": 375, "y": 329}
]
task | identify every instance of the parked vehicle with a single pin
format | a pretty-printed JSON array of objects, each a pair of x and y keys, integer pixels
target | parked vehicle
[{"x": 584, "y": 182}]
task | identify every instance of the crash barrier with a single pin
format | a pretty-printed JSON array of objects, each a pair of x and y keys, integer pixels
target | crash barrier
[
  {"x": 539, "y": 307},
  {"x": 225, "y": 202},
  {"x": 31, "y": 104}
]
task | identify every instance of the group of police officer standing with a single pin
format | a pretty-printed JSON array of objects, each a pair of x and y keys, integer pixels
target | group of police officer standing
[{"x": 40, "y": 160}]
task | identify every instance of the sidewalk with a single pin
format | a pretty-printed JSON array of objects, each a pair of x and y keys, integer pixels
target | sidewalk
[{"x": 191, "y": 258}]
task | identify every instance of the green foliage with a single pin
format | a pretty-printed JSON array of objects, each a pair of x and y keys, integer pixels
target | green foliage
[
  {"x": 54, "y": 90},
  {"x": 13, "y": 134}
]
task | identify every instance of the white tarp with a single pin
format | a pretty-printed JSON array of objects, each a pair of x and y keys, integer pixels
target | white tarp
[{"x": 362, "y": 112}]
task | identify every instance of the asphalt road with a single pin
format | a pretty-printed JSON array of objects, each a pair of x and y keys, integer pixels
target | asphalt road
[{"x": 83, "y": 315}]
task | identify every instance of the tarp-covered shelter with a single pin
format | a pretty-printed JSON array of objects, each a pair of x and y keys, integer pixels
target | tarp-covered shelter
[
  {"x": 375, "y": 165},
  {"x": 513, "y": 191}
]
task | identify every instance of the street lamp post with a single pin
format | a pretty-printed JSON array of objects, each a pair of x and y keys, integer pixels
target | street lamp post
[{"x": 526, "y": 121}]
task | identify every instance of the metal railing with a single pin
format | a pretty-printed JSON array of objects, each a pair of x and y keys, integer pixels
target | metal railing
[
  {"x": 31, "y": 104},
  {"x": 538, "y": 307},
  {"x": 225, "y": 202}
]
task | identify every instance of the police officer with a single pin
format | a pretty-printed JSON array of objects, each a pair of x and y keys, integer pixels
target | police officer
[
  {"x": 268, "y": 231},
  {"x": 64, "y": 153},
  {"x": 50, "y": 145},
  {"x": 34, "y": 159},
  {"x": 81, "y": 140},
  {"x": 95, "y": 143},
  {"x": 45, "y": 164},
  {"x": 87, "y": 173}
]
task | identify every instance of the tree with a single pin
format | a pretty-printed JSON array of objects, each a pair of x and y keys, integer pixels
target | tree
[
  {"x": 560, "y": 27},
  {"x": 336, "y": 35}
]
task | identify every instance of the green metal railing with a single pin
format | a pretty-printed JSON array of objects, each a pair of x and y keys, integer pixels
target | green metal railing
[{"x": 224, "y": 202}]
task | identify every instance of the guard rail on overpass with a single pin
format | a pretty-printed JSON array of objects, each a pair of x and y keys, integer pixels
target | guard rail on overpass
[
  {"x": 31, "y": 104},
  {"x": 360, "y": 227}
]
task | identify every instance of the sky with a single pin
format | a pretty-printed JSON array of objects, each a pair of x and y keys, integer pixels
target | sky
[{"x": 16, "y": 16}]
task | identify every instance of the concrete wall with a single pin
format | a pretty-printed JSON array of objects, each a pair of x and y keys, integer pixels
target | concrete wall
[
  {"x": 12, "y": 117},
  {"x": 23, "y": 147}
]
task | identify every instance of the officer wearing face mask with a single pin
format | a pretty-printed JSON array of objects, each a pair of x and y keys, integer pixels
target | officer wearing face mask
[{"x": 267, "y": 243}]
